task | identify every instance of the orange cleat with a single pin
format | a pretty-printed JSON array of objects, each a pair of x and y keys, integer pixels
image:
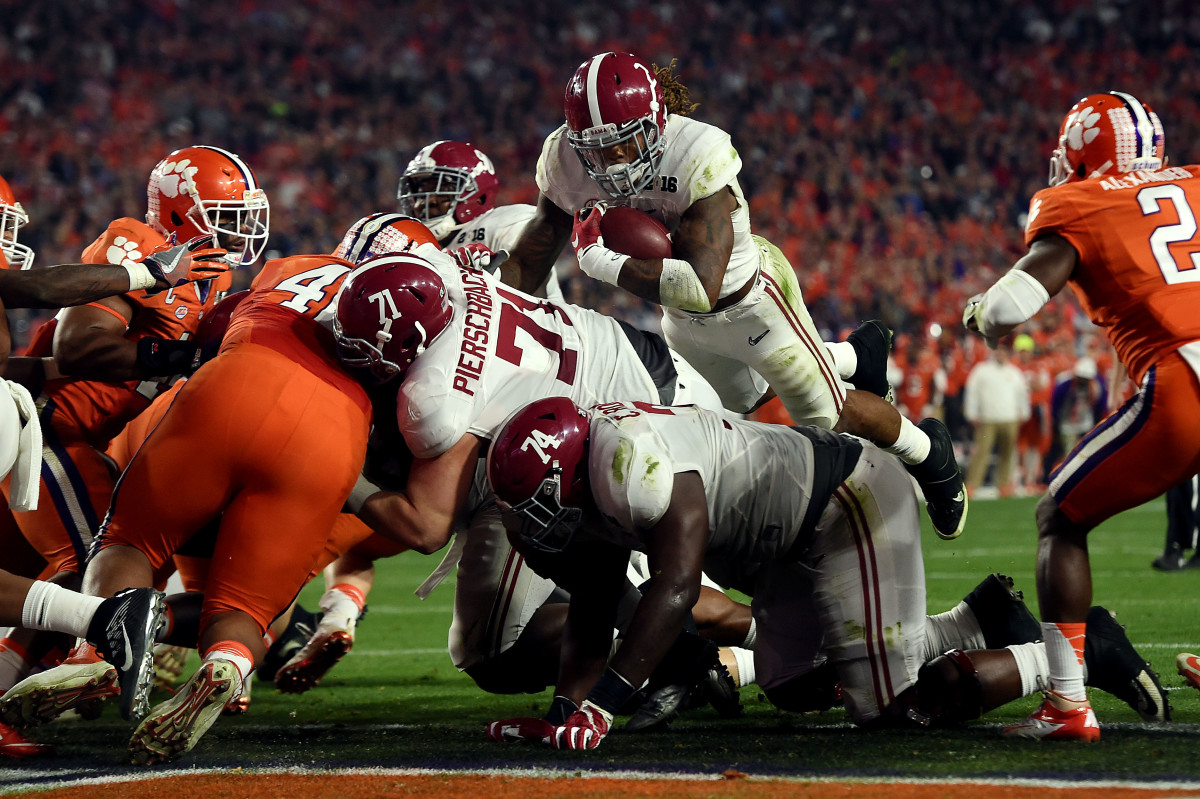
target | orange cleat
[{"x": 1058, "y": 719}]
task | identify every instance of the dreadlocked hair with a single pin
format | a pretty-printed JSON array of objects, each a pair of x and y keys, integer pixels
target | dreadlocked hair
[{"x": 675, "y": 94}]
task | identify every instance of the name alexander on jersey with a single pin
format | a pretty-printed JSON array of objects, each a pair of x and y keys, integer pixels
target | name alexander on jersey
[{"x": 1134, "y": 179}]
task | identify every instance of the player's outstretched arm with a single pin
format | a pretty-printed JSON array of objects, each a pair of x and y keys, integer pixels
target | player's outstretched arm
[
  {"x": 535, "y": 252},
  {"x": 422, "y": 516},
  {"x": 63, "y": 285},
  {"x": 1017, "y": 296}
]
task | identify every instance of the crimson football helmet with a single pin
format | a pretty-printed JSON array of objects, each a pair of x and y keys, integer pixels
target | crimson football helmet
[
  {"x": 381, "y": 234},
  {"x": 212, "y": 326},
  {"x": 199, "y": 190},
  {"x": 1106, "y": 133},
  {"x": 537, "y": 466},
  {"x": 447, "y": 184},
  {"x": 12, "y": 218},
  {"x": 389, "y": 310},
  {"x": 611, "y": 99}
]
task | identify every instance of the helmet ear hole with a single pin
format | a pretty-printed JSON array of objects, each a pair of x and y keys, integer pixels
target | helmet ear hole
[
  {"x": 1081, "y": 170},
  {"x": 176, "y": 219}
]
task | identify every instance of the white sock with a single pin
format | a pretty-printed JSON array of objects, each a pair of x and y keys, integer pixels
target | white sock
[
  {"x": 745, "y": 665},
  {"x": 14, "y": 664},
  {"x": 1066, "y": 667},
  {"x": 751, "y": 635},
  {"x": 845, "y": 359},
  {"x": 238, "y": 656},
  {"x": 52, "y": 607},
  {"x": 1032, "y": 666},
  {"x": 912, "y": 445},
  {"x": 341, "y": 610},
  {"x": 957, "y": 628}
]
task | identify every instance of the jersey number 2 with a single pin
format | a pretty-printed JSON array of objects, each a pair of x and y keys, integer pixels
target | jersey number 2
[{"x": 1151, "y": 200}]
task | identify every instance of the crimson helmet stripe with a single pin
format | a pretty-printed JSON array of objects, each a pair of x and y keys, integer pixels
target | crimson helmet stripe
[
  {"x": 593, "y": 99},
  {"x": 1142, "y": 126},
  {"x": 247, "y": 175}
]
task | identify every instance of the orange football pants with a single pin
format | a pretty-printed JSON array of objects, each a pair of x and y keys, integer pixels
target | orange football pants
[
  {"x": 269, "y": 447},
  {"x": 1150, "y": 444}
]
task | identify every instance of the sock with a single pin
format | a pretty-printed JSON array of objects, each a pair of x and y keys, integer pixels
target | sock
[
  {"x": 269, "y": 638},
  {"x": 52, "y": 607},
  {"x": 751, "y": 635},
  {"x": 845, "y": 359},
  {"x": 1064, "y": 653},
  {"x": 957, "y": 628},
  {"x": 1031, "y": 665},
  {"x": 342, "y": 604},
  {"x": 14, "y": 663},
  {"x": 745, "y": 665},
  {"x": 912, "y": 445},
  {"x": 237, "y": 654}
]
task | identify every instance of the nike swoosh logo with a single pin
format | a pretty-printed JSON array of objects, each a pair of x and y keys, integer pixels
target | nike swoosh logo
[
  {"x": 128, "y": 651},
  {"x": 755, "y": 339}
]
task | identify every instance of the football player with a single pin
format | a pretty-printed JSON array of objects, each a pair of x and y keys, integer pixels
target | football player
[
  {"x": 501, "y": 348},
  {"x": 115, "y": 354},
  {"x": 278, "y": 426},
  {"x": 1118, "y": 226},
  {"x": 821, "y": 529},
  {"x": 732, "y": 303},
  {"x": 451, "y": 186}
]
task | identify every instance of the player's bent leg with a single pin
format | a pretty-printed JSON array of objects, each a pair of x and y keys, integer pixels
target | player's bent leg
[{"x": 175, "y": 726}]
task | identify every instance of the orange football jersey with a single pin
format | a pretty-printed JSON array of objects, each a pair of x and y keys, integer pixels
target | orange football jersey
[
  {"x": 1138, "y": 275},
  {"x": 281, "y": 312},
  {"x": 100, "y": 409}
]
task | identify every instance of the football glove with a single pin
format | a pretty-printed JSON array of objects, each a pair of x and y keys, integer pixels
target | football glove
[
  {"x": 478, "y": 258},
  {"x": 174, "y": 264},
  {"x": 531, "y": 729},
  {"x": 595, "y": 260},
  {"x": 161, "y": 357},
  {"x": 584, "y": 729},
  {"x": 970, "y": 320}
]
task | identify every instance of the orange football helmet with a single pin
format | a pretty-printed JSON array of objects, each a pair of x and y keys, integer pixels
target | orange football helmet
[
  {"x": 383, "y": 234},
  {"x": 1104, "y": 134},
  {"x": 199, "y": 190},
  {"x": 13, "y": 217}
]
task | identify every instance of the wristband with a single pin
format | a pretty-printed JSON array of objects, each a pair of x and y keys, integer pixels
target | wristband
[
  {"x": 602, "y": 263},
  {"x": 363, "y": 488},
  {"x": 140, "y": 278},
  {"x": 611, "y": 692}
]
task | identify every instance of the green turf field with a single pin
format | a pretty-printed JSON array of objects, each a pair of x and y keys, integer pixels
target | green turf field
[{"x": 396, "y": 700}]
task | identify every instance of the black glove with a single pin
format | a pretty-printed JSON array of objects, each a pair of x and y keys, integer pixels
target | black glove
[{"x": 162, "y": 357}]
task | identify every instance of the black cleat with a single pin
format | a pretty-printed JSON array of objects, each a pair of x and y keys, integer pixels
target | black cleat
[
  {"x": 677, "y": 683},
  {"x": 1171, "y": 560},
  {"x": 941, "y": 481},
  {"x": 720, "y": 691},
  {"x": 872, "y": 341},
  {"x": 123, "y": 632},
  {"x": 660, "y": 708},
  {"x": 1001, "y": 613},
  {"x": 300, "y": 628},
  {"x": 1113, "y": 665}
]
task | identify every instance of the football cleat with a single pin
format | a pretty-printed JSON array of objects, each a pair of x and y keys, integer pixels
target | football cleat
[
  {"x": 123, "y": 632},
  {"x": 660, "y": 708},
  {"x": 15, "y": 745},
  {"x": 1113, "y": 665},
  {"x": 1188, "y": 666},
  {"x": 314, "y": 660},
  {"x": 941, "y": 481},
  {"x": 1171, "y": 560},
  {"x": 721, "y": 691},
  {"x": 301, "y": 627},
  {"x": 872, "y": 342},
  {"x": 177, "y": 725},
  {"x": 45, "y": 696},
  {"x": 1058, "y": 719},
  {"x": 1001, "y": 613},
  {"x": 169, "y": 663}
]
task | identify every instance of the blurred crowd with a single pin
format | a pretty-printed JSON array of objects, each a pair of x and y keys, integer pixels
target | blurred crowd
[{"x": 889, "y": 149}]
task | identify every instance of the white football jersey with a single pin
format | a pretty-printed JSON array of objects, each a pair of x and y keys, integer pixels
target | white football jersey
[
  {"x": 765, "y": 485},
  {"x": 699, "y": 160},
  {"x": 502, "y": 350},
  {"x": 500, "y": 229}
]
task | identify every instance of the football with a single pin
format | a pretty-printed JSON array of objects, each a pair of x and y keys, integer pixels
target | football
[{"x": 635, "y": 233}]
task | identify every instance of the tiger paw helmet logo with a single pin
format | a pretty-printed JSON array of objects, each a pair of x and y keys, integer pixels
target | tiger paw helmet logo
[
  {"x": 123, "y": 252},
  {"x": 176, "y": 172},
  {"x": 1081, "y": 129}
]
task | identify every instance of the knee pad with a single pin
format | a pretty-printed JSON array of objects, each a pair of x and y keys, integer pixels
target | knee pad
[{"x": 948, "y": 690}]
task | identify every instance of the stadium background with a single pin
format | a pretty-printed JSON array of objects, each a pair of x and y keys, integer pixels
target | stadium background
[{"x": 890, "y": 149}]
